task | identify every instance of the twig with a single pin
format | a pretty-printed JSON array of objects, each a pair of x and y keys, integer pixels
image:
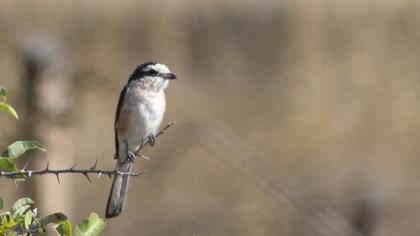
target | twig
[
  {"x": 92, "y": 170},
  {"x": 163, "y": 130},
  {"x": 23, "y": 173},
  {"x": 147, "y": 142}
]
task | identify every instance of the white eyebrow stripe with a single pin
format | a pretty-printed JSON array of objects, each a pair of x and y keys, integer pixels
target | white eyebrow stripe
[{"x": 158, "y": 67}]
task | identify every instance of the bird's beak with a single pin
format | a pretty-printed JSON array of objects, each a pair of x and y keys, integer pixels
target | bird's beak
[{"x": 169, "y": 76}]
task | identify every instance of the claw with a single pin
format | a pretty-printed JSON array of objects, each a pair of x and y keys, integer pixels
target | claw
[
  {"x": 151, "y": 139},
  {"x": 131, "y": 157}
]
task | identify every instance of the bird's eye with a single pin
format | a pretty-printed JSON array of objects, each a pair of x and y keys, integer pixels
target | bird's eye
[{"x": 152, "y": 72}]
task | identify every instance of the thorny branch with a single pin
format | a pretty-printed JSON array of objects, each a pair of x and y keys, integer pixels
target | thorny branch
[
  {"x": 72, "y": 170},
  {"x": 162, "y": 131},
  {"x": 147, "y": 141},
  {"x": 23, "y": 173}
]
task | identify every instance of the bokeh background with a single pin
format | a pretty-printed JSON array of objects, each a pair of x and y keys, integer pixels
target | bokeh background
[{"x": 293, "y": 117}]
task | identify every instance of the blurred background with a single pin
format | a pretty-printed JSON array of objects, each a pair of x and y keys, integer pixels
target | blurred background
[{"x": 293, "y": 117}]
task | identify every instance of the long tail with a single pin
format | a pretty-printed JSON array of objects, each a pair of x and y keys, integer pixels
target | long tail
[{"x": 118, "y": 194}]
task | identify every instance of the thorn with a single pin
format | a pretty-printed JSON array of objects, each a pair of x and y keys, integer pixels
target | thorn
[
  {"x": 94, "y": 165},
  {"x": 24, "y": 167},
  {"x": 58, "y": 177},
  {"x": 99, "y": 174},
  {"x": 29, "y": 173},
  {"x": 48, "y": 164},
  {"x": 144, "y": 157},
  {"x": 87, "y": 177},
  {"x": 72, "y": 167},
  {"x": 138, "y": 154},
  {"x": 109, "y": 175}
]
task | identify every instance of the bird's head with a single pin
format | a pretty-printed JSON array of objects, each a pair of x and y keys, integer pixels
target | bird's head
[{"x": 152, "y": 75}]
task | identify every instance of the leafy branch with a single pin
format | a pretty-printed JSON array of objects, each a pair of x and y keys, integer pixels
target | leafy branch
[{"x": 22, "y": 220}]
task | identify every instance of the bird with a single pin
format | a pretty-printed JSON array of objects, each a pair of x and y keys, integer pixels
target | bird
[{"x": 140, "y": 110}]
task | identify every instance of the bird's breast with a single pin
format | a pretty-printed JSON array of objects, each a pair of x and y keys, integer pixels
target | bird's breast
[{"x": 145, "y": 115}]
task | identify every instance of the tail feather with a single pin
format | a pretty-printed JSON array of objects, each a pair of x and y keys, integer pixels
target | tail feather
[{"x": 118, "y": 194}]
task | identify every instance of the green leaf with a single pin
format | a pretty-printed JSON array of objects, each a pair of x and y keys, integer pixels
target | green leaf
[
  {"x": 28, "y": 219},
  {"x": 3, "y": 94},
  {"x": 53, "y": 218},
  {"x": 7, "y": 220},
  {"x": 63, "y": 228},
  {"x": 8, "y": 109},
  {"x": 21, "y": 213},
  {"x": 90, "y": 227},
  {"x": 1, "y": 203},
  {"x": 7, "y": 165},
  {"x": 21, "y": 205},
  {"x": 19, "y": 147}
]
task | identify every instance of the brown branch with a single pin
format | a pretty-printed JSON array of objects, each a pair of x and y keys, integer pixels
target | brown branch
[
  {"x": 23, "y": 173},
  {"x": 85, "y": 172},
  {"x": 147, "y": 142},
  {"x": 163, "y": 130}
]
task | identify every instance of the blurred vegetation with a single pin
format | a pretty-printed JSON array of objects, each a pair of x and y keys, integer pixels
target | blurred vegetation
[
  {"x": 21, "y": 220},
  {"x": 293, "y": 117}
]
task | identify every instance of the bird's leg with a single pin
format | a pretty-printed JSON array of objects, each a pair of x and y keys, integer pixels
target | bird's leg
[
  {"x": 151, "y": 139},
  {"x": 130, "y": 155},
  {"x": 141, "y": 145},
  {"x": 138, "y": 154}
]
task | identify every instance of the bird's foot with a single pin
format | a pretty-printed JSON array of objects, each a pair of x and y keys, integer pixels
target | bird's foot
[
  {"x": 151, "y": 138},
  {"x": 131, "y": 157}
]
